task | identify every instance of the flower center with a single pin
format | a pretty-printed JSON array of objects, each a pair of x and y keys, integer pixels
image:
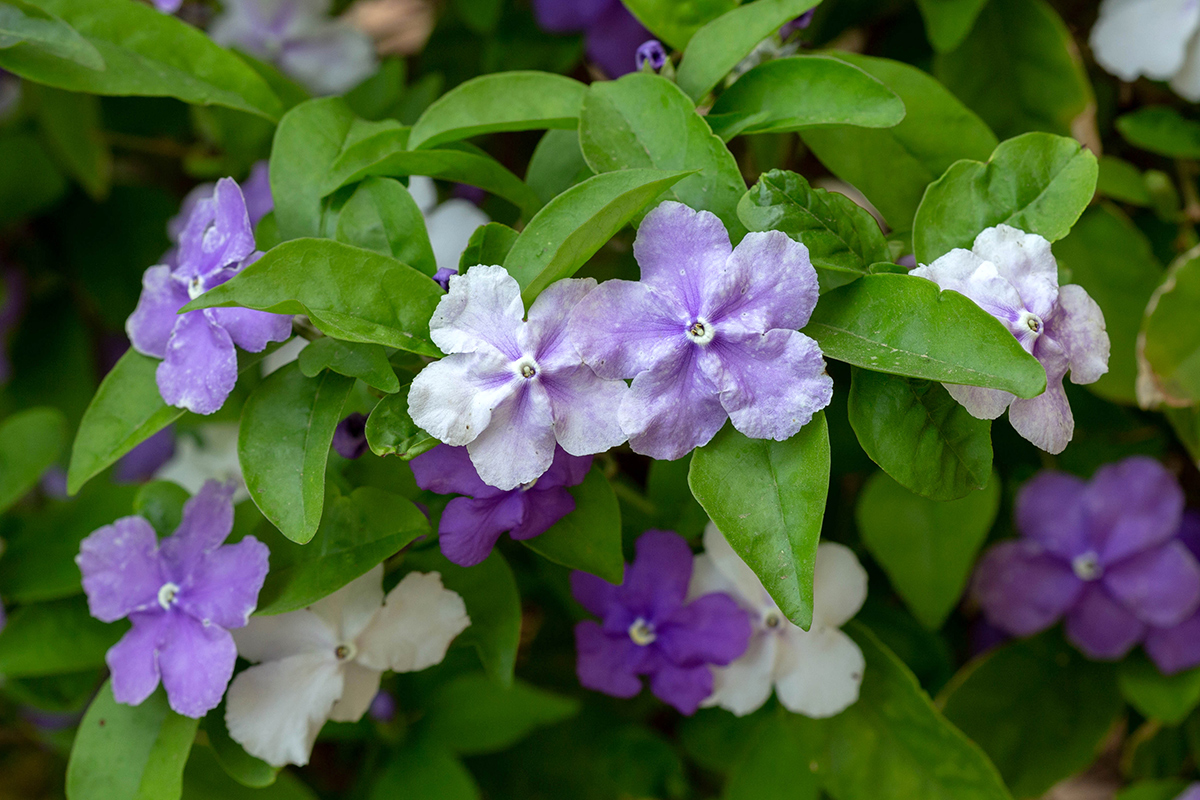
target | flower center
[
  {"x": 772, "y": 620},
  {"x": 642, "y": 632},
  {"x": 194, "y": 288},
  {"x": 527, "y": 368},
  {"x": 344, "y": 652},
  {"x": 1031, "y": 321},
  {"x": 701, "y": 332},
  {"x": 167, "y": 594},
  {"x": 1087, "y": 566}
]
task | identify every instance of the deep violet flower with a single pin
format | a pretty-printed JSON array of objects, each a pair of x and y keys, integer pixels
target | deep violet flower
[
  {"x": 647, "y": 628},
  {"x": 472, "y": 524},
  {"x": 350, "y": 436},
  {"x": 1013, "y": 276},
  {"x": 1177, "y": 648},
  {"x": 182, "y": 596},
  {"x": 199, "y": 367},
  {"x": 140, "y": 463},
  {"x": 651, "y": 54},
  {"x": 709, "y": 333},
  {"x": 611, "y": 34},
  {"x": 1103, "y": 554}
]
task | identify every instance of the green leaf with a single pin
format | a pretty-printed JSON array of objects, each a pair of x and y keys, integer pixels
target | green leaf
[
  {"x": 557, "y": 164},
  {"x": 920, "y": 435},
  {"x": 136, "y": 752},
  {"x": 1168, "y": 789},
  {"x": 25, "y": 24},
  {"x": 1018, "y": 69},
  {"x": 474, "y": 714},
  {"x": 800, "y": 91},
  {"x": 721, "y": 45},
  {"x": 161, "y": 504},
  {"x": 424, "y": 771},
  {"x": 357, "y": 532},
  {"x": 1166, "y": 698},
  {"x": 947, "y": 22},
  {"x": 577, "y": 223},
  {"x": 1161, "y": 130},
  {"x": 1112, "y": 259},
  {"x": 489, "y": 244},
  {"x": 768, "y": 498},
  {"x": 308, "y": 140},
  {"x": 1169, "y": 356},
  {"x": 349, "y": 293},
  {"x": 367, "y": 362},
  {"x": 30, "y": 442},
  {"x": 147, "y": 53},
  {"x": 73, "y": 128},
  {"x": 505, "y": 101},
  {"x": 391, "y": 431},
  {"x": 1122, "y": 181},
  {"x": 774, "y": 764},
  {"x": 1037, "y": 707},
  {"x": 905, "y": 325},
  {"x": 675, "y": 21},
  {"x": 283, "y": 445},
  {"x": 589, "y": 538},
  {"x": 644, "y": 121},
  {"x": 205, "y": 778},
  {"x": 235, "y": 761},
  {"x": 1037, "y": 182},
  {"x": 927, "y": 548},
  {"x": 382, "y": 216},
  {"x": 842, "y": 238},
  {"x": 892, "y": 166},
  {"x": 55, "y": 638},
  {"x": 29, "y": 179},
  {"x": 489, "y": 591}
]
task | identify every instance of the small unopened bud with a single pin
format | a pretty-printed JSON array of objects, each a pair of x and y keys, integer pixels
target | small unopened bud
[{"x": 651, "y": 56}]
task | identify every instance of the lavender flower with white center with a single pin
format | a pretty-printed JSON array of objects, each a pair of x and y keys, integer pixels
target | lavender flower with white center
[
  {"x": 472, "y": 524},
  {"x": 325, "y": 661},
  {"x": 1103, "y": 554},
  {"x": 510, "y": 389},
  {"x": 1013, "y": 276},
  {"x": 182, "y": 595},
  {"x": 816, "y": 672},
  {"x": 1177, "y": 647},
  {"x": 648, "y": 627},
  {"x": 450, "y": 224},
  {"x": 326, "y": 55},
  {"x": 350, "y": 436},
  {"x": 708, "y": 334},
  {"x": 199, "y": 367},
  {"x": 1159, "y": 39},
  {"x": 651, "y": 55}
]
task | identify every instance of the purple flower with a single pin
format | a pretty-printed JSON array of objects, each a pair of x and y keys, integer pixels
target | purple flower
[
  {"x": 350, "y": 436},
  {"x": 610, "y": 32},
  {"x": 12, "y": 303},
  {"x": 256, "y": 191},
  {"x": 1192, "y": 792},
  {"x": 1102, "y": 554},
  {"x": 647, "y": 628},
  {"x": 182, "y": 595},
  {"x": 510, "y": 389},
  {"x": 798, "y": 24},
  {"x": 708, "y": 334},
  {"x": 140, "y": 463},
  {"x": 168, "y": 6},
  {"x": 471, "y": 525},
  {"x": 1177, "y": 648},
  {"x": 383, "y": 707},
  {"x": 1013, "y": 276},
  {"x": 442, "y": 277},
  {"x": 651, "y": 53},
  {"x": 199, "y": 367}
]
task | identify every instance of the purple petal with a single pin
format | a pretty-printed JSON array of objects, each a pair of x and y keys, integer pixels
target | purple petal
[
  {"x": 469, "y": 529},
  {"x": 448, "y": 470},
  {"x": 149, "y": 326},
  {"x": 121, "y": 569},
  {"x": 595, "y": 594},
  {"x": 685, "y": 688},
  {"x": 1022, "y": 589},
  {"x": 712, "y": 629},
  {"x": 543, "y": 508},
  {"x": 1101, "y": 627},
  {"x": 140, "y": 463},
  {"x": 1189, "y": 532},
  {"x": 613, "y": 38},
  {"x": 623, "y": 328},
  {"x": 200, "y": 369},
  {"x": 1133, "y": 505},
  {"x": 217, "y": 234},
  {"x": 565, "y": 470},
  {"x": 482, "y": 311},
  {"x": 672, "y": 409},
  {"x": 207, "y": 520},
  {"x": 683, "y": 254},
  {"x": 585, "y": 408},
  {"x": 252, "y": 330},
  {"x": 1050, "y": 510},
  {"x": 518, "y": 444},
  {"x": 133, "y": 661},
  {"x": 197, "y": 663},
  {"x": 1161, "y": 586},
  {"x": 1045, "y": 420},
  {"x": 545, "y": 335},
  {"x": 606, "y": 663},
  {"x": 1078, "y": 326},
  {"x": 223, "y": 588},
  {"x": 981, "y": 403},
  {"x": 350, "y": 436},
  {"x": 178, "y": 223},
  {"x": 568, "y": 16},
  {"x": 1025, "y": 261},
  {"x": 769, "y": 282},
  {"x": 656, "y": 582},
  {"x": 1175, "y": 649},
  {"x": 256, "y": 190},
  {"x": 442, "y": 277}
]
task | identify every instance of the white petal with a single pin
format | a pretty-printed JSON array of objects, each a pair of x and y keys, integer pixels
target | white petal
[
  {"x": 450, "y": 226},
  {"x": 1045, "y": 420},
  {"x": 743, "y": 686},
  {"x": 413, "y": 630},
  {"x": 332, "y": 58},
  {"x": 1187, "y": 81},
  {"x": 288, "y": 352},
  {"x": 453, "y": 399},
  {"x": 819, "y": 672},
  {"x": 839, "y": 585},
  {"x": 1079, "y": 329},
  {"x": 1023, "y": 260},
  {"x": 950, "y": 269},
  {"x": 361, "y": 686},
  {"x": 744, "y": 584},
  {"x": 270, "y": 638},
  {"x": 979, "y": 402},
  {"x": 215, "y": 457},
  {"x": 517, "y": 446},
  {"x": 1143, "y": 37},
  {"x": 349, "y": 610},
  {"x": 424, "y": 192},
  {"x": 482, "y": 311},
  {"x": 275, "y": 710}
]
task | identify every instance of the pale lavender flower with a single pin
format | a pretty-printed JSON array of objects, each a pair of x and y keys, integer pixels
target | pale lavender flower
[
  {"x": 647, "y": 627},
  {"x": 449, "y": 224},
  {"x": 256, "y": 191},
  {"x": 510, "y": 389},
  {"x": 472, "y": 524},
  {"x": 168, "y": 6},
  {"x": 1103, "y": 554},
  {"x": 610, "y": 32},
  {"x": 182, "y": 596},
  {"x": 350, "y": 436},
  {"x": 1013, "y": 276},
  {"x": 199, "y": 367},
  {"x": 652, "y": 54},
  {"x": 1177, "y": 648},
  {"x": 708, "y": 334}
]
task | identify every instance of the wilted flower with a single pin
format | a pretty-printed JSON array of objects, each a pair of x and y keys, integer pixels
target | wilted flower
[
  {"x": 1013, "y": 276},
  {"x": 1177, "y": 648},
  {"x": 708, "y": 334},
  {"x": 611, "y": 34},
  {"x": 816, "y": 672},
  {"x": 1155, "y": 38},
  {"x": 1103, "y": 554},
  {"x": 325, "y": 661},
  {"x": 649, "y": 628},
  {"x": 182, "y": 596},
  {"x": 350, "y": 436}
]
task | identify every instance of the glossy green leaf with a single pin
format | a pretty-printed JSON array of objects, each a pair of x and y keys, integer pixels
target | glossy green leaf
[
  {"x": 947, "y": 22},
  {"x": 25, "y": 24},
  {"x": 675, "y": 21},
  {"x": 1169, "y": 357},
  {"x": 1038, "y": 183},
  {"x": 577, "y": 223},
  {"x": 774, "y": 763},
  {"x": 1122, "y": 181},
  {"x": 589, "y": 538},
  {"x": 30, "y": 442},
  {"x": 768, "y": 498},
  {"x": 367, "y": 362},
  {"x": 382, "y": 216},
  {"x": 283, "y": 445},
  {"x": 720, "y": 45},
  {"x": 1037, "y": 707},
  {"x": 235, "y": 761},
  {"x": 905, "y": 325},
  {"x": 55, "y": 638},
  {"x": 1166, "y": 698},
  {"x": 1161, "y": 130},
  {"x": 474, "y": 714},
  {"x": 135, "y": 752},
  {"x": 842, "y": 238},
  {"x": 489, "y": 244},
  {"x": 308, "y": 140},
  {"x": 206, "y": 778},
  {"x": 73, "y": 129},
  {"x": 161, "y": 504},
  {"x": 893, "y": 166},
  {"x": 920, "y": 435},
  {"x": 926, "y": 547},
  {"x": 349, "y": 293},
  {"x": 391, "y": 430},
  {"x": 29, "y": 179},
  {"x": 424, "y": 771},
  {"x": 800, "y": 91},
  {"x": 557, "y": 164},
  {"x": 144, "y": 52},
  {"x": 504, "y": 101}
]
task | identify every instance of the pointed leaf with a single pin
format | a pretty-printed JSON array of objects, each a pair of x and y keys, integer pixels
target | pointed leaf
[
  {"x": 589, "y": 538},
  {"x": 30, "y": 442},
  {"x": 382, "y": 216},
  {"x": 25, "y": 24},
  {"x": 391, "y": 430},
  {"x": 367, "y": 362}
]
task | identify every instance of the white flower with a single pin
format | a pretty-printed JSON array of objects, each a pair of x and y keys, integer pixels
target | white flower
[
  {"x": 816, "y": 673},
  {"x": 450, "y": 224},
  {"x": 209, "y": 454},
  {"x": 324, "y": 662},
  {"x": 1156, "y": 38}
]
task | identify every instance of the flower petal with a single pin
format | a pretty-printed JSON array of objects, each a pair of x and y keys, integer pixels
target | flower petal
[
  {"x": 569, "y": 470},
  {"x": 196, "y": 662},
  {"x": 453, "y": 399},
  {"x": 361, "y": 684},
  {"x": 280, "y": 636},
  {"x": 1024, "y": 260},
  {"x": 200, "y": 369},
  {"x": 682, "y": 253},
  {"x": 979, "y": 402},
  {"x": 656, "y": 583},
  {"x": 732, "y": 575},
  {"x": 672, "y": 409},
  {"x": 1050, "y": 510},
  {"x": 469, "y": 528},
  {"x": 606, "y": 663},
  {"x": 517, "y": 445},
  {"x": 1132, "y": 505},
  {"x": 1186, "y": 82},
  {"x": 253, "y": 330},
  {"x": 612, "y": 37},
  {"x": 1101, "y": 627},
  {"x": 331, "y": 59},
  {"x": 450, "y": 227},
  {"x": 133, "y": 661},
  {"x": 207, "y": 521},
  {"x": 712, "y": 629},
  {"x": 547, "y": 333},
  {"x": 218, "y": 233},
  {"x": 448, "y": 470},
  {"x": 1143, "y": 37},
  {"x": 768, "y": 282},
  {"x": 685, "y": 688},
  {"x": 223, "y": 588},
  {"x": 1022, "y": 589},
  {"x": 593, "y": 593},
  {"x": 585, "y": 409},
  {"x": 120, "y": 567},
  {"x": 543, "y": 508},
  {"x": 839, "y": 585},
  {"x": 1078, "y": 327},
  {"x": 352, "y": 609},
  {"x": 819, "y": 672},
  {"x": 1161, "y": 585},
  {"x": 746, "y": 684},
  {"x": 622, "y": 328},
  {"x": 568, "y": 16},
  {"x": 1175, "y": 649},
  {"x": 482, "y": 311},
  {"x": 413, "y": 630},
  {"x": 149, "y": 326},
  {"x": 1045, "y": 420}
]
